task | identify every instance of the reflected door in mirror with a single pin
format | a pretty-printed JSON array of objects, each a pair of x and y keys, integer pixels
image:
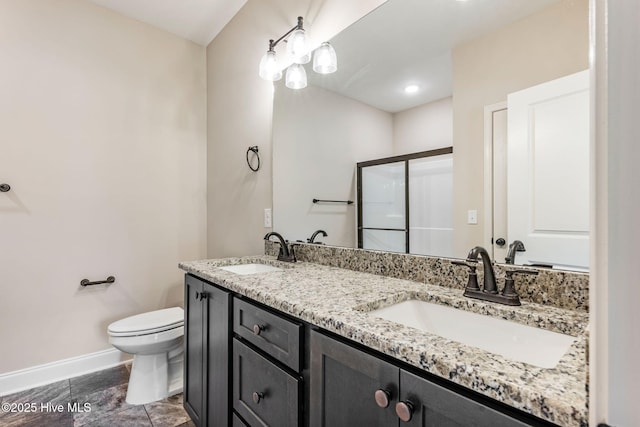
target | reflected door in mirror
[{"x": 548, "y": 171}]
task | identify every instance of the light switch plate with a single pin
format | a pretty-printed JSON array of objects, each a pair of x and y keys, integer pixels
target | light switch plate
[
  {"x": 472, "y": 216},
  {"x": 267, "y": 218}
]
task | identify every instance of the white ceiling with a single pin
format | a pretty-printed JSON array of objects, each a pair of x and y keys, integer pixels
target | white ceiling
[
  {"x": 196, "y": 20},
  {"x": 410, "y": 42}
]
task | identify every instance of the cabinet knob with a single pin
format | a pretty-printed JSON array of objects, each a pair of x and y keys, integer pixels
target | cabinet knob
[
  {"x": 200, "y": 296},
  {"x": 4, "y": 188},
  {"x": 404, "y": 410},
  {"x": 257, "y": 329},
  {"x": 500, "y": 242},
  {"x": 257, "y": 397},
  {"x": 382, "y": 398}
]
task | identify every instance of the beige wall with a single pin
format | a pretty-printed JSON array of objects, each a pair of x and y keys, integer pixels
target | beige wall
[
  {"x": 318, "y": 137},
  {"x": 102, "y": 135},
  {"x": 423, "y": 128},
  {"x": 544, "y": 46},
  {"x": 240, "y": 109}
]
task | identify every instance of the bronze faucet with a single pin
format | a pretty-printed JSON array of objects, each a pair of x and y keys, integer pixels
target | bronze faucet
[
  {"x": 285, "y": 253},
  {"x": 507, "y": 296},
  {"x": 315, "y": 234},
  {"x": 515, "y": 246}
]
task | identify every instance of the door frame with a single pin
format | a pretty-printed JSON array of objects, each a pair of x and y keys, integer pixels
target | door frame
[{"x": 488, "y": 173}]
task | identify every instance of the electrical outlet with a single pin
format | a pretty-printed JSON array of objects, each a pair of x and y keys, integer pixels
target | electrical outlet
[
  {"x": 472, "y": 216},
  {"x": 267, "y": 218}
]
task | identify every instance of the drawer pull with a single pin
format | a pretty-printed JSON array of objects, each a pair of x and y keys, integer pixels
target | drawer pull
[
  {"x": 382, "y": 398},
  {"x": 257, "y": 329},
  {"x": 404, "y": 410},
  {"x": 257, "y": 397}
]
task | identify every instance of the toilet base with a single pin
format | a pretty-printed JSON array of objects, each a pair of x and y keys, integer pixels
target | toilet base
[{"x": 154, "y": 377}]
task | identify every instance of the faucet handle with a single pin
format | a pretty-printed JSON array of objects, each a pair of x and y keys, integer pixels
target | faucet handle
[
  {"x": 509, "y": 283},
  {"x": 472, "y": 283}
]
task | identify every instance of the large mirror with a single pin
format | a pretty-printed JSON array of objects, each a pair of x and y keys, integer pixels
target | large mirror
[{"x": 485, "y": 74}]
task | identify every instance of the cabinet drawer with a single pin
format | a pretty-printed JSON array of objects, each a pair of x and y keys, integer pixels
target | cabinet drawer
[
  {"x": 277, "y": 336},
  {"x": 263, "y": 394}
]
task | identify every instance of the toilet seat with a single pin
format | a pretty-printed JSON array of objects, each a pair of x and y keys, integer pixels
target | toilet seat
[{"x": 148, "y": 323}]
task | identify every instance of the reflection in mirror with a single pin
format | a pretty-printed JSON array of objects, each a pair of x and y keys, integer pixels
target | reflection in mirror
[
  {"x": 405, "y": 203},
  {"x": 463, "y": 57}
]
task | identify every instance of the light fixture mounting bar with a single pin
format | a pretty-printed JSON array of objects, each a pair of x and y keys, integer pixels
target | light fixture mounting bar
[{"x": 272, "y": 44}]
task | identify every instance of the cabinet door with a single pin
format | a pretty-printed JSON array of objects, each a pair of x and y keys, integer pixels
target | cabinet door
[
  {"x": 194, "y": 368},
  {"x": 237, "y": 422},
  {"x": 344, "y": 382},
  {"x": 433, "y": 405},
  {"x": 217, "y": 330}
]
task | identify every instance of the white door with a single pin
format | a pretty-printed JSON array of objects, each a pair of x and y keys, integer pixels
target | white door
[{"x": 548, "y": 172}]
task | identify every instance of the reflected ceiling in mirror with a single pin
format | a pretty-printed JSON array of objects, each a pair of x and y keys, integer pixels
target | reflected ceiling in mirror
[{"x": 409, "y": 42}]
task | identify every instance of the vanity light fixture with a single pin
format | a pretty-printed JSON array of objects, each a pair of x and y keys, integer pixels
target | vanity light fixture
[{"x": 324, "y": 58}]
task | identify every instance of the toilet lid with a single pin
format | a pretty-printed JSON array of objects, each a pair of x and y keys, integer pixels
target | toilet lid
[{"x": 153, "y": 321}]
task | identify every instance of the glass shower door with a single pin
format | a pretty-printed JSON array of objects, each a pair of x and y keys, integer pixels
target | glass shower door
[
  {"x": 384, "y": 200},
  {"x": 431, "y": 205}
]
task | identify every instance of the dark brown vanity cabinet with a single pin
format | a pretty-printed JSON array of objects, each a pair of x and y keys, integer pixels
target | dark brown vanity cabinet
[
  {"x": 206, "y": 362},
  {"x": 350, "y": 387}
]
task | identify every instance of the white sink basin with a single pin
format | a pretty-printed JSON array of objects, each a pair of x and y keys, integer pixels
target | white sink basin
[
  {"x": 512, "y": 340},
  {"x": 250, "y": 268}
]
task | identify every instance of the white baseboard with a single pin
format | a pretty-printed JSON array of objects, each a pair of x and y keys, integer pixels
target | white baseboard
[{"x": 36, "y": 376}]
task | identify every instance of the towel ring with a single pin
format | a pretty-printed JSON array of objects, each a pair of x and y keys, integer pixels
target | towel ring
[{"x": 253, "y": 149}]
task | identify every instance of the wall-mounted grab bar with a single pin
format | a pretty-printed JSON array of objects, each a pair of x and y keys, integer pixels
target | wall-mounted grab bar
[
  {"x": 86, "y": 282},
  {"x": 348, "y": 202}
]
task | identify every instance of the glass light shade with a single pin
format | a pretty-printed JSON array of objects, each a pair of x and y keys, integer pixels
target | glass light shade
[
  {"x": 298, "y": 47},
  {"x": 324, "y": 59},
  {"x": 304, "y": 59},
  {"x": 296, "y": 77},
  {"x": 269, "y": 69}
]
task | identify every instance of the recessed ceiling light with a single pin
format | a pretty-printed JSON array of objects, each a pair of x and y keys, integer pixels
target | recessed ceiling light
[{"x": 411, "y": 88}]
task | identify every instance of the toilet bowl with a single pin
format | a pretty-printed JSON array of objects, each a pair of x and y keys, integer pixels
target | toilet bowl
[{"x": 155, "y": 340}]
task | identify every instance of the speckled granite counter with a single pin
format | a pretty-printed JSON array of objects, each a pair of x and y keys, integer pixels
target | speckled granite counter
[{"x": 338, "y": 300}]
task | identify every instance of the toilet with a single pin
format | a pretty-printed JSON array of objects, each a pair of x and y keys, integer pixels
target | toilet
[{"x": 155, "y": 340}]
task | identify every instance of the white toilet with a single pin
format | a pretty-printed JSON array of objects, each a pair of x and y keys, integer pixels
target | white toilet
[{"x": 155, "y": 340}]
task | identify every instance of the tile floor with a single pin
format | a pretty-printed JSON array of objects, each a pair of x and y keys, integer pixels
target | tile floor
[{"x": 99, "y": 400}]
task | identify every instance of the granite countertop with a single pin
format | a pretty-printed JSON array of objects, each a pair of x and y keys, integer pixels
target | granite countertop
[{"x": 338, "y": 300}]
